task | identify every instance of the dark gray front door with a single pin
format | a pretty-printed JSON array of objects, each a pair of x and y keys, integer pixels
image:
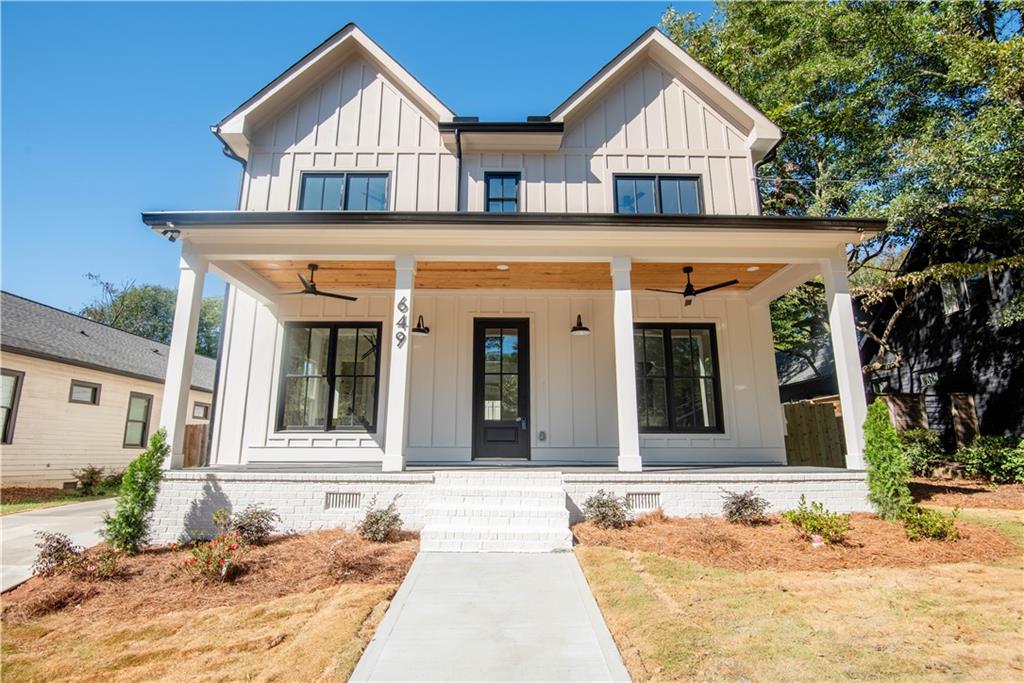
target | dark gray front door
[{"x": 501, "y": 388}]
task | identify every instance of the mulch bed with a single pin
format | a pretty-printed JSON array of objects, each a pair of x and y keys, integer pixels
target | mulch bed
[
  {"x": 21, "y": 494},
  {"x": 149, "y": 584},
  {"x": 872, "y": 542},
  {"x": 967, "y": 493}
]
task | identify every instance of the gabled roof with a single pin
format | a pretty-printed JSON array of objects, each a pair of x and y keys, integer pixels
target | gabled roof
[
  {"x": 235, "y": 129},
  {"x": 34, "y": 329},
  {"x": 762, "y": 134}
]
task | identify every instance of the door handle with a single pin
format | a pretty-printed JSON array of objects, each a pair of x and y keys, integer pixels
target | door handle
[{"x": 522, "y": 423}]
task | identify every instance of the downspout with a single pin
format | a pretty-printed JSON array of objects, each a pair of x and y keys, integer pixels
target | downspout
[
  {"x": 768, "y": 158},
  {"x": 458, "y": 169}
]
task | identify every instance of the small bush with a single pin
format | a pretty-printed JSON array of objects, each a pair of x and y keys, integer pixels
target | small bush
[
  {"x": 744, "y": 508},
  {"x": 112, "y": 483},
  {"x": 922, "y": 450},
  {"x": 655, "y": 516},
  {"x": 90, "y": 479},
  {"x": 128, "y": 528},
  {"x": 921, "y": 523},
  {"x": 254, "y": 524},
  {"x": 606, "y": 510},
  {"x": 380, "y": 525},
  {"x": 57, "y": 554},
  {"x": 216, "y": 560},
  {"x": 815, "y": 520},
  {"x": 888, "y": 471},
  {"x": 995, "y": 458}
]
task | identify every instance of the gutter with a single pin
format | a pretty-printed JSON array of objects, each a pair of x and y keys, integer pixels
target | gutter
[
  {"x": 767, "y": 159},
  {"x": 230, "y": 154}
]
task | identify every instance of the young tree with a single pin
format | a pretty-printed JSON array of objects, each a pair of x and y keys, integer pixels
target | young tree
[
  {"x": 148, "y": 311},
  {"x": 909, "y": 111}
]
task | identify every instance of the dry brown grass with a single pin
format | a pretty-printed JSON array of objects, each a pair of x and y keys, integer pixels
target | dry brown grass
[
  {"x": 675, "y": 617},
  {"x": 313, "y": 599},
  {"x": 966, "y": 493},
  {"x": 871, "y": 543}
]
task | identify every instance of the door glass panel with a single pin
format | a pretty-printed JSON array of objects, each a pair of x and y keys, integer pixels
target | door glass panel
[
  {"x": 307, "y": 350},
  {"x": 366, "y": 356},
  {"x": 510, "y": 350},
  {"x": 492, "y": 397},
  {"x": 362, "y": 402},
  {"x": 305, "y": 401},
  {"x": 509, "y": 397},
  {"x": 343, "y": 404},
  {"x": 492, "y": 350}
]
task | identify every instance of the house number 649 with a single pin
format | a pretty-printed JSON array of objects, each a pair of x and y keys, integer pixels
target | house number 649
[{"x": 403, "y": 322}]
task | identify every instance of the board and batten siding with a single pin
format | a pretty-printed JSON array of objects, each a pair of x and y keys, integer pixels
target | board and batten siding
[
  {"x": 572, "y": 379},
  {"x": 356, "y": 119},
  {"x": 53, "y": 436}
]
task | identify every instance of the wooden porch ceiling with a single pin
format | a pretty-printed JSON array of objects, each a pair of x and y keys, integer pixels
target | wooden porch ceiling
[{"x": 345, "y": 275}]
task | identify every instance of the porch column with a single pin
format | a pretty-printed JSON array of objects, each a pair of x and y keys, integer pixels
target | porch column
[
  {"x": 847, "y": 357},
  {"x": 398, "y": 367},
  {"x": 625, "y": 365},
  {"x": 178, "y": 382}
]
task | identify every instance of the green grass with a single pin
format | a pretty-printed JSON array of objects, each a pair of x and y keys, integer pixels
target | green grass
[{"x": 49, "y": 502}]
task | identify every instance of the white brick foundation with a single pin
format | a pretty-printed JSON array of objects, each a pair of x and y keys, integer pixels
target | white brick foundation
[{"x": 188, "y": 499}]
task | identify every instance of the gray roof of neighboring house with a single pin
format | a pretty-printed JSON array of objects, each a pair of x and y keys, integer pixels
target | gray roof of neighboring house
[{"x": 36, "y": 329}]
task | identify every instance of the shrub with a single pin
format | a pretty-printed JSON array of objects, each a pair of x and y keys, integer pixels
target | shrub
[
  {"x": 128, "y": 528},
  {"x": 57, "y": 554},
  {"x": 606, "y": 510},
  {"x": 888, "y": 472},
  {"x": 112, "y": 483},
  {"x": 89, "y": 478},
  {"x": 215, "y": 560},
  {"x": 254, "y": 524},
  {"x": 921, "y": 523},
  {"x": 922, "y": 450},
  {"x": 995, "y": 458},
  {"x": 744, "y": 508},
  {"x": 380, "y": 525},
  {"x": 815, "y": 520}
]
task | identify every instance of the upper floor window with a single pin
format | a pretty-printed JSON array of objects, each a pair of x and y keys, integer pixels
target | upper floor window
[
  {"x": 344, "y": 192},
  {"x": 84, "y": 392},
  {"x": 502, "y": 192},
  {"x": 10, "y": 395},
  {"x": 658, "y": 194}
]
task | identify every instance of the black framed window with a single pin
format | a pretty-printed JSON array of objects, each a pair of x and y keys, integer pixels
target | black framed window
[
  {"x": 200, "y": 411},
  {"x": 502, "y": 192},
  {"x": 84, "y": 392},
  {"x": 677, "y": 376},
  {"x": 136, "y": 427},
  {"x": 344, "y": 192},
  {"x": 330, "y": 377},
  {"x": 672, "y": 194},
  {"x": 10, "y": 396}
]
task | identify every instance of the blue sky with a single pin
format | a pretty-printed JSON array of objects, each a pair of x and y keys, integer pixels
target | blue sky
[{"x": 107, "y": 107}]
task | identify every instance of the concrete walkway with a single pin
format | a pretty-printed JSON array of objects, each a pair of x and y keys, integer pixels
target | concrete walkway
[
  {"x": 492, "y": 617},
  {"x": 80, "y": 521}
]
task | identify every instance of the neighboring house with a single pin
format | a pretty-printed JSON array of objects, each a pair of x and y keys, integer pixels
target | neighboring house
[
  {"x": 504, "y": 307},
  {"x": 74, "y": 392}
]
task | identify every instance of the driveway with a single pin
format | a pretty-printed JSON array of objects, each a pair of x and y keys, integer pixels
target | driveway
[
  {"x": 492, "y": 617},
  {"x": 80, "y": 521}
]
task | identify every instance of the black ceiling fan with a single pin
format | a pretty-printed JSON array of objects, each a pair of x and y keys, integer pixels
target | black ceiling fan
[
  {"x": 309, "y": 286},
  {"x": 689, "y": 293}
]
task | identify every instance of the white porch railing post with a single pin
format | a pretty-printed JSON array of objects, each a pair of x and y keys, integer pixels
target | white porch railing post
[
  {"x": 178, "y": 382},
  {"x": 398, "y": 367},
  {"x": 625, "y": 365},
  {"x": 847, "y": 358}
]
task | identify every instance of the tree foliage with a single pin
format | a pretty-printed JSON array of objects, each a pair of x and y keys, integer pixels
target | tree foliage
[
  {"x": 909, "y": 111},
  {"x": 148, "y": 311}
]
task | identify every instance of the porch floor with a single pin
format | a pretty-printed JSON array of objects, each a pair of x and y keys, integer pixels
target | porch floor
[{"x": 582, "y": 468}]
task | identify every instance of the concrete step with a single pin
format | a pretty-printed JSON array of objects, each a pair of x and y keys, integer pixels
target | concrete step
[
  {"x": 517, "y": 497},
  {"x": 465, "y": 538},
  {"x": 456, "y": 511}
]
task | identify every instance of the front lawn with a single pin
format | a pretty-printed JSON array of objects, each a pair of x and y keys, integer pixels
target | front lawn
[
  {"x": 703, "y": 599},
  {"x": 302, "y": 608},
  {"x": 24, "y": 498}
]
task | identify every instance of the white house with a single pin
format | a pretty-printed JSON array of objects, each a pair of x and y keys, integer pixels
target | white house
[{"x": 515, "y": 315}]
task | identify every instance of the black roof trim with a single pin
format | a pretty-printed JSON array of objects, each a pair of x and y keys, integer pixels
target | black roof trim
[
  {"x": 501, "y": 127},
  {"x": 472, "y": 220}
]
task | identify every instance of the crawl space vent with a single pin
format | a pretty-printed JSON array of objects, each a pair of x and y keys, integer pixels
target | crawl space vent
[
  {"x": 644, "y": 502},
  {"x": 341, "y": 500}
]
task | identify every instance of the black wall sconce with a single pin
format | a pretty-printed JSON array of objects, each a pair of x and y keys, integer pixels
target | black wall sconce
[
  {"x": 579, "y": 329},
  {"x": 420, "y": 330}
]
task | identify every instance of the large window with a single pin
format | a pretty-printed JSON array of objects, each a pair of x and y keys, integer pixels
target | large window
[
  {"x": 136, "y": 428},
  {"x": 344, "y": 192},
  {"x": 10, "y": 395},
  {"x": 658, "y": 194},
  {"x": 330, "y": 376},
  {"x": 677, "y": 378},
  {"x": 502, "y": 192}
]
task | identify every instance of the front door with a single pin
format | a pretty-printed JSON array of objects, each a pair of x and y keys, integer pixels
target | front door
[{"x": 501, "y": 388}]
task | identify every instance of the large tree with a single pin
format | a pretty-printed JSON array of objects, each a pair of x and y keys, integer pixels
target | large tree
[
  {"x": 148, "y": 311},
  {"x": 912, "y": 111}
]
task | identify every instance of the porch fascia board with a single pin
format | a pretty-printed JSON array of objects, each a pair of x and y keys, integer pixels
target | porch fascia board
[{"x": 781, "y": 282}]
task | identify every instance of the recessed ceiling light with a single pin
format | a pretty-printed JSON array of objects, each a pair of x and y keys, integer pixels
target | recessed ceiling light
[
  {"x": 501, "y": 266},
  {"x": 752, "y": 269},
  {"x": 274, "y": 265}
]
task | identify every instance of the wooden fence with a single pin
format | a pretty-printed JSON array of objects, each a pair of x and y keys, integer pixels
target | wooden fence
[
  {"x": 195, "y": 444},
  {"x": 813, "y": 434}
]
